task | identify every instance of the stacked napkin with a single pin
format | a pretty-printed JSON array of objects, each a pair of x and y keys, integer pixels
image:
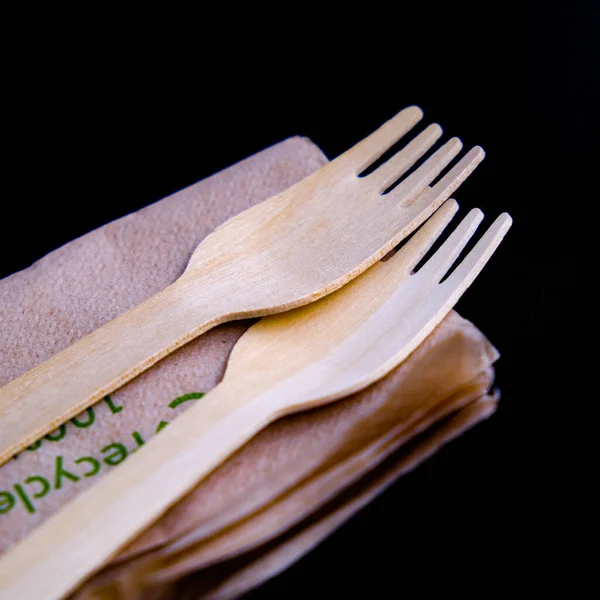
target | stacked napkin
[{"x": 289, "y": 487}]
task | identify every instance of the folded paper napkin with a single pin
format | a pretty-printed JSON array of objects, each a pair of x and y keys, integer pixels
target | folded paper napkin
[{"x": 281, "y": 493}]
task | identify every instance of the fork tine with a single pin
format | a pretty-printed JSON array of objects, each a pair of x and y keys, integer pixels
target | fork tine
[
  {"x": 437, "y": 266},
  {"x": 396, "y": 166},
  {"x": 361, "y": 155},
  {"x": 471, "y": 265},
  {"x": 417, "y": 246},
  {"x": 425, "y": 204},
  {"x": 411, "y": 187},
  {"x": 448, "y": 184}
]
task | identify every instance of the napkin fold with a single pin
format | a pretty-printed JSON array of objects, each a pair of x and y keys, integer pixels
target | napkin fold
[
  {"x": 287, "y": 488},
  {"x": 233, "y": 578}
]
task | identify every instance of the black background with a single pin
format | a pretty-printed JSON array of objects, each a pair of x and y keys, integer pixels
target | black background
[{"x": 114, "y": 113}]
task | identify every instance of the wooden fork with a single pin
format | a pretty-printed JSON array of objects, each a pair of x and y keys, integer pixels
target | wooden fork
[
  {"x": 286, "y": 362},
  {"x": 285, "y": 252}
]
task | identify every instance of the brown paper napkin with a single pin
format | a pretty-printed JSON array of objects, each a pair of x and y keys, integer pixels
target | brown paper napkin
[
  {"x": 158, "y": 576},
  {"x": 276, "y": 481}
]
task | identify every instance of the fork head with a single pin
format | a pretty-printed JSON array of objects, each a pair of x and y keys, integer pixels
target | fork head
[
  {"x": 322, "y": 232},
  {"x": 351, "y": 338}
]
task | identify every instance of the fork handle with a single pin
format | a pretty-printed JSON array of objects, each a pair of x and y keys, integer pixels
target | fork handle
[
  {"x": 72, "y": 544},
  {"x": 72, "y": 380}
]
